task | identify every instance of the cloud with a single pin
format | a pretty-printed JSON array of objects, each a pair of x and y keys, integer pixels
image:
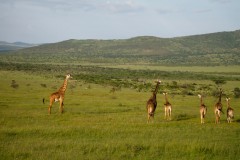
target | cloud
[
  {"x": 203, "y": 10},
  {"x": 221, "y": 1},
  {"x": 127, "y": 6},
  {"x": 164, "y": 11},
  {"x": 60, "y": 5},
  {"x": 109, "y": 6}
]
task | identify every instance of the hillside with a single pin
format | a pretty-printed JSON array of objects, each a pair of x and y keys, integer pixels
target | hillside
[
  {"x": 6, "y": 46},
  {"x": 221, "y": 48}
]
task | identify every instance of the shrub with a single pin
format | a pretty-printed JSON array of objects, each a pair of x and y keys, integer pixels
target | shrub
[
  {"x": 44, "y": 85},
  {"x": 236, "y": 92},
  {"x": 219, "y": 81},
  {"x": 14, "y": 84}
]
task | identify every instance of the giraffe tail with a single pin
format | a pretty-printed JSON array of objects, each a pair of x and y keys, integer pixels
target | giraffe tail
[{"x": 151, "y": 114}]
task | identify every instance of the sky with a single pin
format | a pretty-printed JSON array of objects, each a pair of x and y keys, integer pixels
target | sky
[{"x": 49, "y": 21}]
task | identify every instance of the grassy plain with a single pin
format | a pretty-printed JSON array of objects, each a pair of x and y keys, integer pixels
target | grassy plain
[{"x": 98, "y": 124}]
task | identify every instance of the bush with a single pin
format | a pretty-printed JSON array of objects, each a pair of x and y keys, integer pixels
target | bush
[
  {"x": 14, "y": 84},
  {"x": 44, "y": 85},
  {"x": 219, "y": 81},
  {"x": 236, "y": 92}
]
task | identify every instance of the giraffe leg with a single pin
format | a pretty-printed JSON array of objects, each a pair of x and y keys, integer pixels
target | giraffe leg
[
  {"x": 219, "y": 114},
  {"x": 62, "y": 110},
  {"x": 201, "y": 118},
  {"x": 219, "y": 117},
  {"x": 149, "y": 113},
  {"x": 50, "y": 106},
  {"x": 201, "y": 115},
  {"x": 216, "y": 117},
  {"x": 165, "y": 113},
  {"x": 61, "y": 106},
  {"x": 170, "y": 114}
]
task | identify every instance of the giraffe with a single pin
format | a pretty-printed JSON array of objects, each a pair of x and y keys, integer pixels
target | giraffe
[
  {"x": 167, "y": 107},
  {"x": 152, "y": 102},
  {"x": 218, "y": 108},
  {"x": 230, "y": 115},
  {"x": 203, "y": 109},
  {"x": 59, "y": 95}
]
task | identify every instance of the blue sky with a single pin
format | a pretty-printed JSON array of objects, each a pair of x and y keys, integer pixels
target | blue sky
[{"x": 46, "y": 21}]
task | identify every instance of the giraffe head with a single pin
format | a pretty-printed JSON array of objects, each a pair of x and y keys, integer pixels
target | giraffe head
[
  {"x": 199, "y": 95},
  {"x": 68, "y": 76},
  {"x": 164, "y": 93},
  {"x": 220, "y": 91},
  {"x": 227, "y": 99},
  {"x": 158, "y": 81}
]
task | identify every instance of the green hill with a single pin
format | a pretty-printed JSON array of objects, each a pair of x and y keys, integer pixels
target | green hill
[{"x": 221, "y": 48}]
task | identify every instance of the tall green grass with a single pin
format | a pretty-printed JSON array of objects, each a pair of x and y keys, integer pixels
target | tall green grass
[{"x": 98, "y": 124}]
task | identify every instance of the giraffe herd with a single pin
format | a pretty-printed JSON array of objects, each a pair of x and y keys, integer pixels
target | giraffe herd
[{"x": 152, "y": 104}]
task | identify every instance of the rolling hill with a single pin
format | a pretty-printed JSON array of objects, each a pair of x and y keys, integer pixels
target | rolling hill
[
  {"x": 221, "y": 48},
  {"x": 6, "y": 46}
]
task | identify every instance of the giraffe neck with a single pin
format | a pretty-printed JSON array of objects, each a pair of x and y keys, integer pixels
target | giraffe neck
[
  {"x": 64, "y": 86},
  {"x": 156, "y": 89},
  {"x": 220, "y": 97},
  {"x": 228, "y": 104},
  {"x": 154, "y": 95},
  {"x": 201, "y": 100},
  {"x": 166, "y": 99}
]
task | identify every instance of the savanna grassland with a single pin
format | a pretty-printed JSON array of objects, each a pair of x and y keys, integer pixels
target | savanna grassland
[
  {"x": 99, "y": 123},
  {"x": 105, "y": 103}
]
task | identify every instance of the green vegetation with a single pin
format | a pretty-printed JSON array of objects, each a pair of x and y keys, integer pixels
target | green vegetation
[
  {"x": 105, "y": 115},
  {"x": 176, "y": 82},
  {"x": 203, "y": 50},
  {"x": 100, "y": 124}
]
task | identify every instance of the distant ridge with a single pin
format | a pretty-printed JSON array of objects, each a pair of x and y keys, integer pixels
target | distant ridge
[
  {"x": 221, "y": 48},
  {"x": 6, "y": 46}
]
